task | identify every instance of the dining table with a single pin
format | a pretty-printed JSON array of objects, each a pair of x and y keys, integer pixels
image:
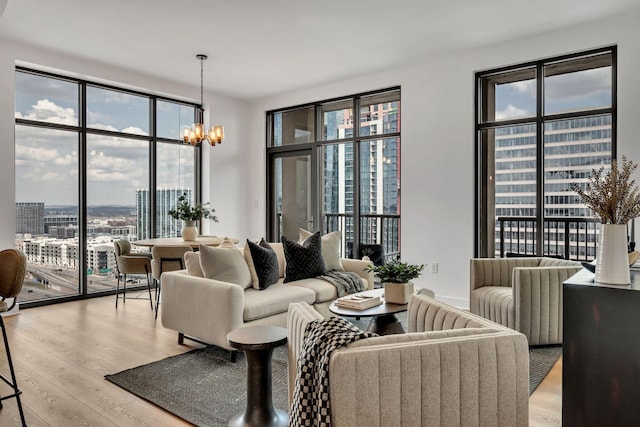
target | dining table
[{"x": 195, "y": 244}]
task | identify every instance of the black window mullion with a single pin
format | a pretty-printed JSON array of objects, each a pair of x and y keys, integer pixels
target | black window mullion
[
  {"x": 539, "y": 160},
  {"x": 356, "y": 176},
  {"x": 153, "y": 159},
  {"x": 82, "y": 188}
]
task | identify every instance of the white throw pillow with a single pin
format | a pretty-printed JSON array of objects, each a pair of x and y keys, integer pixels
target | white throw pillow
[
  {"x": 331, "y": 244},
  {"x": 225, "y": 264},
  {"x": 192, "y": 262}
]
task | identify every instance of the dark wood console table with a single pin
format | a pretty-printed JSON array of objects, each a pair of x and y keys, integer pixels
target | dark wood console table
[{"x": 601, "y": 352}]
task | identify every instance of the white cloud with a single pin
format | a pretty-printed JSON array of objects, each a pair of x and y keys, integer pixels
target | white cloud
[
  {"x": 45, "y": 110},
  {"x": 524, "y": 86},
  {"x": 37, "y": 154},
  {"x": 102, "y": 127},
  {"x": 511, "y": 112},
  {"x": 134, "y": 130}
]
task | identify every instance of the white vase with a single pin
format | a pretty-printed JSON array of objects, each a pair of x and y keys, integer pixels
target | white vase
[
  {"x": 398, "y": 293},
  {"x": 189, "y": 231},
  {"x": 612, "y": 261}
]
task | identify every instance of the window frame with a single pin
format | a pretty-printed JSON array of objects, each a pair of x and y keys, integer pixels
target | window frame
[
  {"x": 82, "y": 131},
  {"x": 316, "y": 146},
  {"x": 481, "y": 234}
]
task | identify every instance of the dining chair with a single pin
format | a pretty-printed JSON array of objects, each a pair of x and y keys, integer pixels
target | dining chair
[
  {"x": 166, "y": 258},
  {"x": 131, "y": 263},
  {"x": 13, "y": 265}
]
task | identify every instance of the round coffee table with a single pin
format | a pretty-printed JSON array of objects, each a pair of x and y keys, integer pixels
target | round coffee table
[
  {"x": 258, "y": 343},
  {"x": 383, "y": 316}
]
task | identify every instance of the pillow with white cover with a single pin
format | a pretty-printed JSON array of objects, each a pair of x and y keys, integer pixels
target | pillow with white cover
[
  {"x": 192, "y": 263},
  {"x": 225, "y": 264},
  {"x": 331, "y": 244}
]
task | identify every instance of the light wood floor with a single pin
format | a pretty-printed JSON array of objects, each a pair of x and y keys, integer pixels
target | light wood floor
[{"x": 62, "y": 352}]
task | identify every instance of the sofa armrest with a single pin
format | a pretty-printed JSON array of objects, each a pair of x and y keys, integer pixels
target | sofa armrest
[
  {"x": 537, "y": 296},
  {"x": 496, "y": 271},
  {"x": 359, "y": 267},
  {"x": 427, "y": 314},
  {"x": 299, "y": 315},
  {"x": 201, "y": 308},
  {"x": 433, "y": 382}
]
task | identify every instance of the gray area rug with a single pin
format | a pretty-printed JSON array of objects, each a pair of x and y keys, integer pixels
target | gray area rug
[
  {"x": 541, "y": 360},
  {"x": 205, "y": 389}
]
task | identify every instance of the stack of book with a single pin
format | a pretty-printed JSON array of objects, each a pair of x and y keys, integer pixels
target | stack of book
[{"x": 358, "y": 301}]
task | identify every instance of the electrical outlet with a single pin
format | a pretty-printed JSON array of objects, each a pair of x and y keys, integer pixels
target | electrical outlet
[{"x": 434, "y": 267}]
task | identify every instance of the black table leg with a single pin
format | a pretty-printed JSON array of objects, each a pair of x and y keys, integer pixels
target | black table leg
[
  {"x": 385, "y": 325},
  {"x": 260, "y": 410}
]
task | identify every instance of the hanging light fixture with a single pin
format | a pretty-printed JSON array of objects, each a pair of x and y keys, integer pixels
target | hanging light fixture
[{"x": 195, "y": 134}]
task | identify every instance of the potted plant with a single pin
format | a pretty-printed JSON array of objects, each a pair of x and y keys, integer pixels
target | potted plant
[
  {"x": 190, "y": 214},
  {"x": 614, "y": 199},
  {"x": 396, "y": 277}
]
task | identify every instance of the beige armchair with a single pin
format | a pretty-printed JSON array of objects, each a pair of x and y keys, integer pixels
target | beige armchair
[
  {"x": 453, "y": 368},
  {"x": 524, "y": 294},
  {"x": 130, "y": 263}
]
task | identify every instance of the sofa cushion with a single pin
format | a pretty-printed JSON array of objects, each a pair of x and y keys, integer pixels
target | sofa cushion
[
  {"x": 495, "y": 303},
  {"x": 263, "y": 264},
  {"x": 303, "y": 260},
  {"x": 192, "y": 263},
  {"x": 226, "y": 265},
  {"x": 274, "y": 300},
  {"x": 324, "y": 290},
  {"x": 331, "y": 244}
]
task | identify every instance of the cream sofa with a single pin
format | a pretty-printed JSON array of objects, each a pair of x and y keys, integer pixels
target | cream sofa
[
  {"x": 524, "y": 294},
  {"x": 453, "y": 368},
  {"x": 207, "y": 310}
]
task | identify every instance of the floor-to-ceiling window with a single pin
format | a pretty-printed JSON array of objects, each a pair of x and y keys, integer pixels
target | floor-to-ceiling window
[
  {"x": 94, "y": 163},
  {"x": 335, "y": 165},
  {"x": 542, "y": 126}
]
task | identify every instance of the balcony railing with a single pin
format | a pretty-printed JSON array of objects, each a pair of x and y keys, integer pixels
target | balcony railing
[
  {"x": 564, "y": 237},
  {"x": 375, "y": 229}
]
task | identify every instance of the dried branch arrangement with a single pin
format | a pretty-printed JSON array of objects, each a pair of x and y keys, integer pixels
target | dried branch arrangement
[{"x": 613, "y": 196}]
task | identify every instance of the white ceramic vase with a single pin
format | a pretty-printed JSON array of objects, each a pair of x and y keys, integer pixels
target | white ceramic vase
[
  {"x": 189, "y": 231},
  {"x": 398, "y": 293},
  {"x": 612, "y": 261}
]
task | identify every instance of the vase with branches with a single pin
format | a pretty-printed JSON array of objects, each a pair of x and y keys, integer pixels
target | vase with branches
[{"x": 614, "y": 198}]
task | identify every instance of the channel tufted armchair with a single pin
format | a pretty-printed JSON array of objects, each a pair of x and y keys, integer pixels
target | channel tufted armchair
[
  {"x": 453, "y": 368},
  {"x": 524, "y": 294}
]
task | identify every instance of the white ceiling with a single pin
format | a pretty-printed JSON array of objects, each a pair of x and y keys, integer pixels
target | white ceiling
[{"x": 258, "y": 48}]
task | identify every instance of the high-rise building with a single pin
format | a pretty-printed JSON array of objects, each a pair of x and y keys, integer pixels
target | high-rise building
[
  {"x": 572, "y": 149},
  {"x": 30, "y": 218},
  {"x": 59, "y": 220},
  {"x": 166, "y": 200}
]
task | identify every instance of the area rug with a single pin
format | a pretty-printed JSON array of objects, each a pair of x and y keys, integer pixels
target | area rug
[
  {"x": 541, "y": 360},
  {"x": 201, "y": 386},
  {"x": 205, "y": 389}
]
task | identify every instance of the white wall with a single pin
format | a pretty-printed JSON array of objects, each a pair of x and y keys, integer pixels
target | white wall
[
  {"x": 223, "y": 164},
  {"x": 438, "y": 139}
]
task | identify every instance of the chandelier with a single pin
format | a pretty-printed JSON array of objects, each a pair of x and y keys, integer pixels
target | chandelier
[{"x": 195, "y": 134}]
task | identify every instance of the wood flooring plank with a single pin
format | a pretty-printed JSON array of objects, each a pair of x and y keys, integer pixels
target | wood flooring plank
[{"x": 62, "y": 352}]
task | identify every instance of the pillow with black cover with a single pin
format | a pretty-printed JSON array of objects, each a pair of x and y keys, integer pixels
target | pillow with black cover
[
  {"x": 265, "y": 262},
  {"x": 304, "y": 261}
]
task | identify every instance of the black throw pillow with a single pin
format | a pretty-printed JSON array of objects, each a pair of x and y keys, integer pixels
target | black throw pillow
[
  {"x": 265, "y": 262},
  {"x": 305, "y": 260}
]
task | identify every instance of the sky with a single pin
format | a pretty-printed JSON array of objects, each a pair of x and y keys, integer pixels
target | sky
[
  {"x": 47, "y": 160},
  {"x": 565, "y": 92}
]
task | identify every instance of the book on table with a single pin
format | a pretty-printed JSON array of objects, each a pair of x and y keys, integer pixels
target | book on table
[{"x": 358, "y": 301}]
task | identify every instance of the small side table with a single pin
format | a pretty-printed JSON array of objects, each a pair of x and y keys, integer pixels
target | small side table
[{"x": 258, "y": 343}]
